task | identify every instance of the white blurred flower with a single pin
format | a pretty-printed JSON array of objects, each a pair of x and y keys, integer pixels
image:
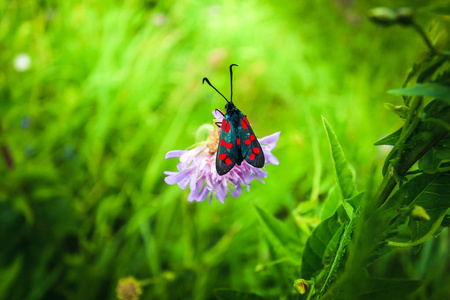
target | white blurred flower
[
  {"x": 22, "y": 62},
  {"x": 159, "y": 19}
]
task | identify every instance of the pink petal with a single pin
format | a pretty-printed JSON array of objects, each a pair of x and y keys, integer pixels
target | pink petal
[
  {"x": 270, "y": 140},
  {"x": 217, "y": 115},
  {"x": 270, "y": 158},
  {"x": 190, "y": 155},
  {"x": 175, "y": 153}
]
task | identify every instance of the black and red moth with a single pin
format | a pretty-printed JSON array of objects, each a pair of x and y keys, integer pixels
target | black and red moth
[{"x": 237, "y": 140}]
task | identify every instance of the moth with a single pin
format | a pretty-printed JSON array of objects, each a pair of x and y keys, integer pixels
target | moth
[{"x": 237, "y": 140}]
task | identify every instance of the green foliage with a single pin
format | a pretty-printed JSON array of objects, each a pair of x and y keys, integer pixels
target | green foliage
[
  {"x": 344, "y": 177},
  {"x": 323, "y": 240},
  {"x": 227, "y": 294},
  {"x": 279, "y": 236},
  {"x": 435, "y": 90}
]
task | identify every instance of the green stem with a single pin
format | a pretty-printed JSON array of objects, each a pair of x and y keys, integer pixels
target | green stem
[
  {"x": 427, "y": 40},
  {"x": 436, "y": 133}
]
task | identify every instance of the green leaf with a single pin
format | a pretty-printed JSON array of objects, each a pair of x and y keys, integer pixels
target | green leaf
[
  {"x": 431, "y": 89},
  {"x": 9, "y": 274},
  {"x": 229, "y": 294},
  {"x": 390, "y": 139},
  {"x": 378, "y": 288},
  {"x": 440, "y": 9},
  {"x": 446, "y": 221},
  {"x": 336, "y": 262},
  {"x": 355, "y": 201},
  {"x": 344, "y": 177},
  {"x": 279, "y": 235},
  {"x": 435, "y": 199},
  {"x": 432, "y": 192},
  {"x": 438, "y": 154},
  {"x": 319, "y": 241},
  {"x": 331, "y": 204},
  {"x": 435, "y": 112}
]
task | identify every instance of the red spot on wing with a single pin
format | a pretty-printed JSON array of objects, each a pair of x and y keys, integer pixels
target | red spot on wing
[
  {"x": 227, "y": 127},
  {"x": 252, "y": 137},
  {"x": 256, "y": 150},
  {"x": 238, "y": 141},
  {"x": 228, "y": 161},
  {"x": 247, "y": 141},
  {"x": 252, "y": 156},
  {"x": 224, "y": 124},
  {"x": 222, "y": 142},
  {"x": 229, "y": 145},
  {"x": 246, "y": 121},
  {"x": 244, "y": 125},
  {"x": 222, "y": 156}
]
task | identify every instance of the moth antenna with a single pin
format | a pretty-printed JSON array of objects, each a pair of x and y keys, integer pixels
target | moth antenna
[
  {"x": 207, "y": 81},
  {"x": 231, "y": 80}
]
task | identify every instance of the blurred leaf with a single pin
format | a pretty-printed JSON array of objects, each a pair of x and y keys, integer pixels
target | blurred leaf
[
  {"x": 9, "y": 274},
  {"x": 320, "y": 242},
  {"x": 439, "y": 9},
  {"x": 279, "y": 235},
  {"x": 390, "y": 139},
  {"x": 344, "y": 177},
  {"x": 446, "y": 221},
  {"x": 377, "y": 288},
  {"x": 438, "y": 154},
  {"x": 434, "y": 90},
  {"x": 229, "y": 294}
]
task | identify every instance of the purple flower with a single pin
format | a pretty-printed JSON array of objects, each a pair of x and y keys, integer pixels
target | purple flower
[{"x": 197, "y": 169}]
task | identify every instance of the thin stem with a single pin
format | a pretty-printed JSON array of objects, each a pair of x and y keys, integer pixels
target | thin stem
[
  {"x": 436, "y": 133},
  {"x": 427, "y": 40}
]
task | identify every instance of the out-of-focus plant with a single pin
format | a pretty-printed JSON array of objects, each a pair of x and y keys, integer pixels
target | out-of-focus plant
[{"x": 408, "y": 208}]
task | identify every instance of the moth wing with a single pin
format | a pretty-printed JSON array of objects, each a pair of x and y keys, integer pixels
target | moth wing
[
  {"x": 250, "y": 146},
  {"x": 227, "y": 151}
]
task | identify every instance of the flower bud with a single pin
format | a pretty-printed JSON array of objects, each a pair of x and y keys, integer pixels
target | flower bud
[
  {"x": 399, "y": 110},
  {"x": 260, "y": 267},
  {"x": 301, "y": 285},
  {"x": 405, "y": 15},
  {"x": 420, "y": 214},
  {"x": 383, "y": 16}
]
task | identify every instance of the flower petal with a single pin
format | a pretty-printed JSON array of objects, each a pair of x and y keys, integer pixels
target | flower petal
[
  {"x": 270, "y": 140},
  {"x": 188, "y": 156},
  {"x": 237, "y": 191},
  {"x": 270, "y": 158},
  {"x": 217, "y": 115},
  {"x": 175, "y": 153}
]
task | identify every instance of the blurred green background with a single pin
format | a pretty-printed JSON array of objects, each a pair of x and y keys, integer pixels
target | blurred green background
[{"x": 93, "y": 94}]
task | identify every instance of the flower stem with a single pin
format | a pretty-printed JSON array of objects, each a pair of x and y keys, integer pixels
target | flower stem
[
  {"x": 427, "y": 40},
  {"x": 436, "y": 133}
]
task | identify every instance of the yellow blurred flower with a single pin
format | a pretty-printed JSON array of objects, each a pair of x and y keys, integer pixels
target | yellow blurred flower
[{"x": 128, "y": 289}]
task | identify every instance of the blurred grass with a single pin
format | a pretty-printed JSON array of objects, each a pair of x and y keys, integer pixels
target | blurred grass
[{"x": 113, "y": 86}]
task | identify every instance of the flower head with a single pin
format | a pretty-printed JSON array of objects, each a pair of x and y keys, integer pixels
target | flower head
[
  {"x": 128, "y": 289},
  {"x": 197, "y": 169}
]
